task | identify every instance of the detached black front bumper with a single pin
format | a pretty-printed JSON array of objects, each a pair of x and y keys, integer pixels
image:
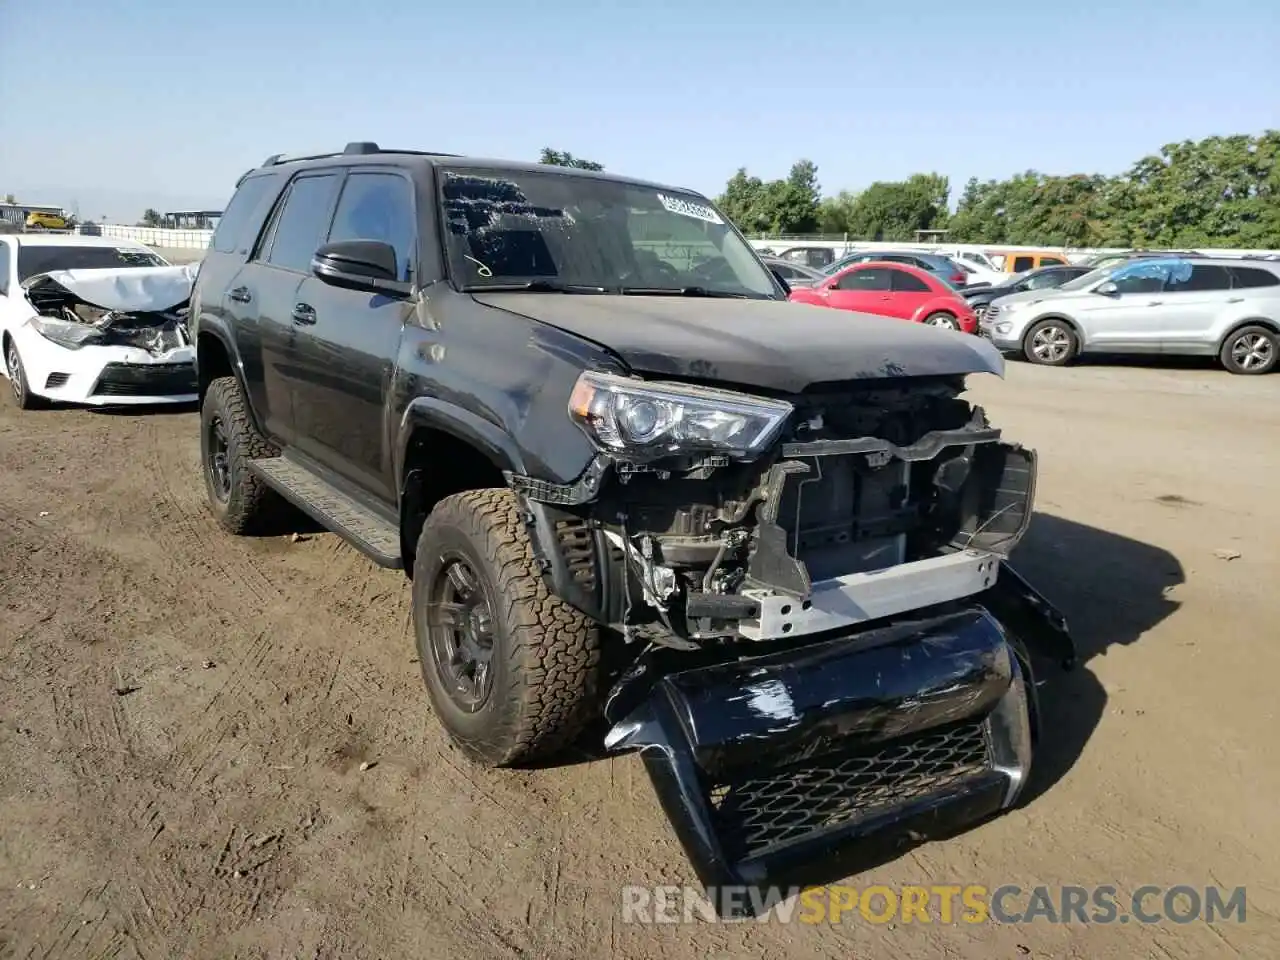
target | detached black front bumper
[{"x": 769, "y": 765}]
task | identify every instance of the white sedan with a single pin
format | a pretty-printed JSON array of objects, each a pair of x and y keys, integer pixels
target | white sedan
[{"x": 90, "y": 320}]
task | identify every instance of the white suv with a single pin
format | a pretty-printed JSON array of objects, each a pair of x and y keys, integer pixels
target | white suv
[{"x": 1228, "y": 308}]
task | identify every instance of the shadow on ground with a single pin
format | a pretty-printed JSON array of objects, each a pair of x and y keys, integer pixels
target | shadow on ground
[{"x": 1112, "y": 590}]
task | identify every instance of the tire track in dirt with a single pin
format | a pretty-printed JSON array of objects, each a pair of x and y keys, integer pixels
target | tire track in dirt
[{"x": 143, "y": 912}]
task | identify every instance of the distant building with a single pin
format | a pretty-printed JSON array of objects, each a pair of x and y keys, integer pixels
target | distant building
[
  {"x": 17, "y": 212},
  {"x": 192, "y": 219}
]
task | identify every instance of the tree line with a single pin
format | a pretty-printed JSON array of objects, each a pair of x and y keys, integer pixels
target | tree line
[{"x": 1215, "y": 192}]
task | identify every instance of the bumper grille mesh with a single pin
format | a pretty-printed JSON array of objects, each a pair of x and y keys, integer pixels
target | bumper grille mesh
[
  {"x": 791, "y": 803},
  {"x": 146, "y": 380}
]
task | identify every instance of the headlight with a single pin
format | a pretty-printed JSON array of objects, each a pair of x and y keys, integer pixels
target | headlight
[
  {"x": 648, "y": 420},
  {"x": 64, "y": 333}
]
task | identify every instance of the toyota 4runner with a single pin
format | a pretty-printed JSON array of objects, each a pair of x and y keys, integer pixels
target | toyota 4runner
[{"x": 765, "y": 542}]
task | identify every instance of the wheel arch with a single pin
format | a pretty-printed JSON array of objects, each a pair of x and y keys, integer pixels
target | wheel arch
[
  {"x": 476, "y": 454},
  {"x": 216, "y": 357},
  {"x": 1237, "y": 325},
  {"x": 443, "y": 449}
]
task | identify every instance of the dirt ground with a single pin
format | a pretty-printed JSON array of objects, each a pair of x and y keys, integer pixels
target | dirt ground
[{"x": 184, "y": 717}]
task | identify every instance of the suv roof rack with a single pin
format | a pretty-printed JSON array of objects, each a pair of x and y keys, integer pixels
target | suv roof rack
[{"x": 356, "y": 148}]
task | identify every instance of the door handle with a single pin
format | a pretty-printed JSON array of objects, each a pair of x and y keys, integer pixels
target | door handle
[
  {"x": 1155, "y": 303},
  {"x": 1235, "y": 299},
  {"x": 886, "y": 297},
  {"x": 240, "y": 295},
  {"x": 304, "y": 314}
]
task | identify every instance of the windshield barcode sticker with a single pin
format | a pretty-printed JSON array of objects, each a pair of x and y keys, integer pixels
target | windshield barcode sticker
[{"x": 688, "y": 209}]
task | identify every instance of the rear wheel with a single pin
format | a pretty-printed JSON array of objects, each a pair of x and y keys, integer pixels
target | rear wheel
[
  {"x": 1251, "y": 350},
  {"x": 1051, "y": 343},
  {"x": 510, "y": 668},
  {"x": 228, "y": 441},
  {"x": 22, "y": 395},
  {"x": 942, "y": 319}
]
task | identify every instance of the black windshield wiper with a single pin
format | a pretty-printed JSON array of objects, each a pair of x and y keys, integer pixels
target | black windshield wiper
[
  {"x": 533, "y": 286},
  {"x": 680, "y": 292}
]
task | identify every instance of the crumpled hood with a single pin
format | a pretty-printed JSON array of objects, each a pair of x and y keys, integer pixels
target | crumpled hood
[
  {"x": 127, "y": 289},
  {"x": 773, "y": 344}
]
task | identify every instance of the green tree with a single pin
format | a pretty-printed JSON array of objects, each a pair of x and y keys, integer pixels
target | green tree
[
  {"x": 895, "y": 210},
  {"x": 152, "y": 218},
  {"x": 559, "y": 158},
  {"x": 775, "y": 207}
]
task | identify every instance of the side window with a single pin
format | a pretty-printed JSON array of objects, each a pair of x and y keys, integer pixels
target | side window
[
  {"x": 1141, "y": 277},
  {"x": 302, "y": 222},
  {"x": 873, "y": 278},
  {"x": 378, "y": 206},
  {"x": 1050, "y": 278},
  {"x": 1201, "y": 278},
  {"x": 1248, "y": 277},
  {"x": 788, "y": 273},
  {"x": 239, "y": 225},
  {"x": 1023, "y": 263},
  {"x": 1052, "y": 262},
  {"x": 904, "y": 282},
  {"x": 5, "y": 261}
]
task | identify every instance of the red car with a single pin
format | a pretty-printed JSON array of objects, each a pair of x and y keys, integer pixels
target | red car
[{"x": 892, "y": 290}]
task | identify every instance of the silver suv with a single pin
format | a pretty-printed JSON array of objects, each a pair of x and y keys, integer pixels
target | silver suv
[{"x": 1228, "y": 308}]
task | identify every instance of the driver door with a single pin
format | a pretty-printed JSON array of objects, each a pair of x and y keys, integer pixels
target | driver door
[{"x": 864, "y": 289}]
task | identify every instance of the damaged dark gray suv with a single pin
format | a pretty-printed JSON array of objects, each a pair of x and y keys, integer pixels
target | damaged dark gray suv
[{"x": 764, "y": 542}]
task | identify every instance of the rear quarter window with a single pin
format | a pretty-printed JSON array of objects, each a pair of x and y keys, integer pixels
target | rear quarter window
[
  {"x": 1247, "y": 277},
  {"x": 243, "y": 218}
]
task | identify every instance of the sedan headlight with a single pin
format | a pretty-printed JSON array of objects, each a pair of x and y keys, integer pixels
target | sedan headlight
[
  {"x": 645, "y": 420},
  {"x": 64, "y": 333}
]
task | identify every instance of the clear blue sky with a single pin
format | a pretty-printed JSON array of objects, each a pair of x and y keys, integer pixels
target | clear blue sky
[{"x": 122, "y": 104}]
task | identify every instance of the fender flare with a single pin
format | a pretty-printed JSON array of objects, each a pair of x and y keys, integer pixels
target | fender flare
[
  {"x": 436, "y": 414},
  {"x": 211, "y": 328}
]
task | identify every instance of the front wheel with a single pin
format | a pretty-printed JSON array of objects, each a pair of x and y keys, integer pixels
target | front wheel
[
  {"x": 511, "y": 670},
  {"x": 946, "y": 321},
  {"x": 22, "y": 395},
  {"x": 1051, "y": 343},
  {"x": 1251, "y": 350}
]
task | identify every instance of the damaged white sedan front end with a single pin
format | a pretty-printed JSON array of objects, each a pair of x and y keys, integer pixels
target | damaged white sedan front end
[{"x": 104, "y": 337}]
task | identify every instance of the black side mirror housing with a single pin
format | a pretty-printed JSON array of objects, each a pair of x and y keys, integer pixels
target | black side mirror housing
[{"x": 368, "y": 265}]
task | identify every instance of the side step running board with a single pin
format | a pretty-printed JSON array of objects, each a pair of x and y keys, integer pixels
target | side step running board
[{"x": 375, "y": 536}]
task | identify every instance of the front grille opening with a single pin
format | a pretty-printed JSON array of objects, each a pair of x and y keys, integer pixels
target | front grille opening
[
  {"x": 800, "y": 800},
  {"x": 55, "y": 380}
]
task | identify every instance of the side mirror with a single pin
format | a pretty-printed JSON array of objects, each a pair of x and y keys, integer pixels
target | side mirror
[
  {"x": 359, "y": 265},
  {"x": 1107, "y": 289},
  {"x": 777, "y": 275}
]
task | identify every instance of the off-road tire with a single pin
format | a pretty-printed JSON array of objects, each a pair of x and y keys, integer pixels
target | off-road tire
[
  {"x": 1058, "y": 360},
  {"x": 250, "y": 506},
  {"x": 546, "y": 654},
  {"x": 20, "y": 388},
  {"x": 1226, "y": 356}
]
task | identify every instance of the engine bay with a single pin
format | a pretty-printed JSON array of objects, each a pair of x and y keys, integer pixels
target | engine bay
[{"x": 875, "y": 499}]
